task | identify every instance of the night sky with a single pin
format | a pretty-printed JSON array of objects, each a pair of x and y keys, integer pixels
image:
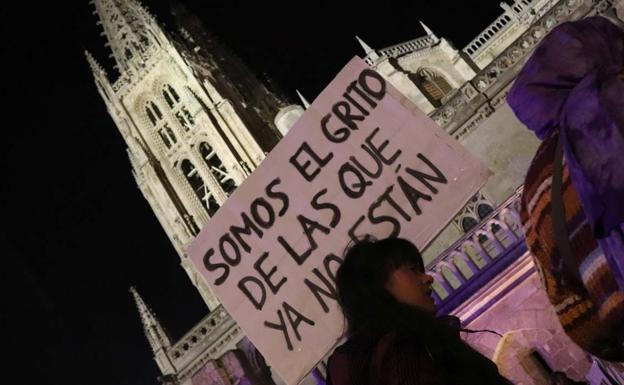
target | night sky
[{"x": 76, "y": 231}]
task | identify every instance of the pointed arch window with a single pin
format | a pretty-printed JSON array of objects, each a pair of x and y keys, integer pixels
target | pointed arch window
[
  {"x": 217, "y": 168},
  {"x": 468, "y": 223},
  {"x": 171, "y": 96},
  {"x": 483, "y": 210},
  {"x": 434, "y": 85},
  {"x": 178, "y": 108},
  {"x": 199, "y": 187},
  {"x": 162, "y": 127},
  {"x": 151, "y": 115}
]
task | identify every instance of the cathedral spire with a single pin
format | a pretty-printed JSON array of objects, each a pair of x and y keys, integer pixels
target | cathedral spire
[
  {"x": 131, "y": 32},
  {"x": 428, "y": 30},
  {"x": 371, "y": 53},
  {"x": 96, "y": 68},
  {"x": 365, "y": 46},
  {"x": 305, "y": 102},
  {"x": 101, "y": 78},
  {"x": 153, "y": 330}
]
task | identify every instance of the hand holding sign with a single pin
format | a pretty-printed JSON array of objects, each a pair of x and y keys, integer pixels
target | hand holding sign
[{"x": 361, "y": 160}]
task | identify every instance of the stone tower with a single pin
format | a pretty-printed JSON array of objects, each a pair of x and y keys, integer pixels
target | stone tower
[{"x": 195, "y": 120}]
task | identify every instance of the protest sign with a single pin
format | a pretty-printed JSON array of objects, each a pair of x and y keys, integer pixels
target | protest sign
[{"x": 361, "y": 160}]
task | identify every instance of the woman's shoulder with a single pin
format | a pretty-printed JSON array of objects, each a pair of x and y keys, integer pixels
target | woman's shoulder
[
  {"x": 363, "y": 346},
  {"x": 404, "y": 358},
  {"x": 381, "y": 358},
  {"x": 350, "y": 362},
  {"x": 376, "y": 343}
]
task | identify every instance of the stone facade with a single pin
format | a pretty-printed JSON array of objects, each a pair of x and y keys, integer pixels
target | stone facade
[
  {"x": 197, "y": 122},
  {"x": 528, "y": 324},
  {"x": 464, "y": 90}
]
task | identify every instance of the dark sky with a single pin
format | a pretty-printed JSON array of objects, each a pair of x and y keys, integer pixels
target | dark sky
[{"x": 76, "y": 231}]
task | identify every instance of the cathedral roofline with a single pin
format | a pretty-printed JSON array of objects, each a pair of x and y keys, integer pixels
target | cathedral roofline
[{"x": 414, "y": 45}]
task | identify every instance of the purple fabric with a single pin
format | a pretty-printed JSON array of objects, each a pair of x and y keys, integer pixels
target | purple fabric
[
  {"x": 571, "y": 84},
  {"x": 613, "y": 248}
]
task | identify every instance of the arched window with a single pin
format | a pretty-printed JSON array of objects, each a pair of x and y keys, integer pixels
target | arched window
[
  {"x": 434, "y": 86},
  {"x": 199, "y": 187},
  {"x": 468, "y": 223},
  {"x": 483, "y": 210},
  {"x": 156, "y": 118},
  {"x": 177, "y": 107},
  {"x": 170, "y": 96},
  {"x": 217, "y": 168},
  {"x": 156, "y": 110},
  {"x": 151, "y": 116}
]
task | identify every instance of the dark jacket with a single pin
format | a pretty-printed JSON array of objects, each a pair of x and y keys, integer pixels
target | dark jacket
[{"x": 405, "y": 358}]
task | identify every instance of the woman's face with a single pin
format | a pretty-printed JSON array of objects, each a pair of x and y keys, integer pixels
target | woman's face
[{"x": 409, "y": 285}]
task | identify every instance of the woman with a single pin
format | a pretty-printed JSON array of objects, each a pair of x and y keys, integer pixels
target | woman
[{"x": 393, "y": 335}]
